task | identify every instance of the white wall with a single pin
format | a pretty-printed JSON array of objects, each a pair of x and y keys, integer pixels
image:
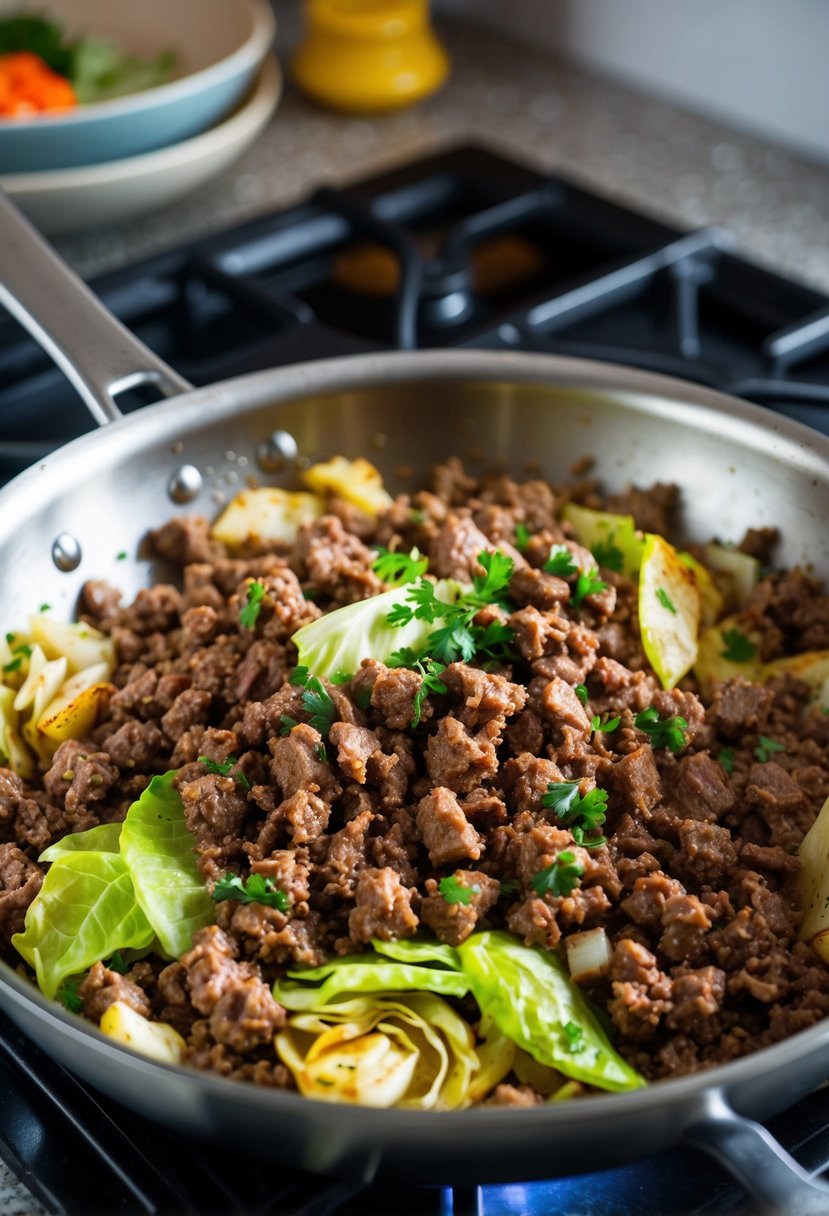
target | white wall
[{"x": 759, "y": 64}]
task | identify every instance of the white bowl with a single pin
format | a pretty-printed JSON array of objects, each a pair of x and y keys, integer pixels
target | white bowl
[
  {"x": 68, "y": 200},
  {"x": 218, "y": 44}
]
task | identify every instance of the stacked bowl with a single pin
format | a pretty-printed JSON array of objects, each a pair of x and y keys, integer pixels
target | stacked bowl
[{"x": 213, "y": 86}]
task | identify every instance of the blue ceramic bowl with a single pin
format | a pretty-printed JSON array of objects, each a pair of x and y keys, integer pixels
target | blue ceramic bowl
[{"x": 218, "y": 47}]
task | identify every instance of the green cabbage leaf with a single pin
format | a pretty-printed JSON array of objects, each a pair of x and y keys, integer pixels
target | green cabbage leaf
[
  {"x": 158, "y": 851},
  {"x": 117, "y": 887},
  {"x": 85, "y": 910},
  {"x": 532, "y": 1000},
  {"x": 524, "y": 993}
]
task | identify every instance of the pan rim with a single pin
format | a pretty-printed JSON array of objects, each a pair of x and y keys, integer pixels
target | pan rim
[{"x": 645, "y": 393}]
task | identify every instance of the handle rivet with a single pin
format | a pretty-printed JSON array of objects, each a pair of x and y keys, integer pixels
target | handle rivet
[
  {"x": 277, "y": 451},
  {"x": 66, "y": 552},
  {"x": 185, "y": 483}
]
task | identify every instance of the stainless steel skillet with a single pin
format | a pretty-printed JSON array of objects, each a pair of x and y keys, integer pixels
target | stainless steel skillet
[{"x": 70, "y": 518}]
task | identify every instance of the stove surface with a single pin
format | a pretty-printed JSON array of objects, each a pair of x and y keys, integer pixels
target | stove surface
[{"x": 463, "y": 249}]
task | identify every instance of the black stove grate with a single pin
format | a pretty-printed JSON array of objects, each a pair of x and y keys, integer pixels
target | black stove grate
[{"x": 462, "y": 249}]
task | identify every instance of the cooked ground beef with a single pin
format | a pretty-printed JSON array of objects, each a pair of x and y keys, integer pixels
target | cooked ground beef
[{"x": 359, "y": 824}]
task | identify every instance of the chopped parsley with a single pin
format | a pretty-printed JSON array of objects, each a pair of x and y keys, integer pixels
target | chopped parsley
[
  {"x": 121, "y": 556},
  {"x": 316, "y": 702},
  {"x": 507, "y": 887},
  {"x": 342, "y": 677},
  {"x": 225, "y": 769},
  {"x": 253, "y": 890},
  {"x": 560, "y": 561},
  {"x": 458, "y": 638},
  {"x": 609, "y": 555},
  {"x": 522, "y": 537},
  {"x": 580, "y": 814},
  {"x": 44, "y": 607},
  {"x": 14, "y": 664},
  {"x": 581, "y": 692},
  {"x": 253, "y": 605},
  {"x": 588, "y": 583},
  {"x": 738, "y": 648},
  {"x": 454, "y": 892},
  {"x": 320, "y": 753},
  {"x": 286, "y": 724},
  {"x": 575, "y": 1037},
  {"x": 362, "y": 697},
  {"x": 665, "y": 600},
  {"x": 604, "y": 725},
  {"x": 663, "y": 732},
  {"x": 766, "y": 748},
  {"x": 69, "y": 996},
  {"x": 398, "y": 568},
  {"x": 118, "y": 963},
  {"x": 560, "y": 878},
  {"x": 319, "y": 705},
  {"x": 726, "y": 759}
]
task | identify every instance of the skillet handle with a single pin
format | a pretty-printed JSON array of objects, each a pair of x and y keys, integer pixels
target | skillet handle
[
  {"x": 91, "y": 347},
  {"x": 779, "y": 1186}
]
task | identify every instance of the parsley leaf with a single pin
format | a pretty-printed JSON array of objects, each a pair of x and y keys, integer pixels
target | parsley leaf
[
  {"x": 342, "y": 677},
  {"x": 766, "y": 748},
  {"x": 249, "y": 614},
  {"x": 522, "y": 537},
  {"x": 69, "y": 995},
  {"x": 253, "y": 890},
  {"x": 453, "y": 643},
  {"x": 490, "y": 588},
  {"x": 738, "y": 648},
  {"x": 320, "y": 753},
  {"x": 581, "y": 692},
  {"x": 454, "y": 892},
  {"x": 560, "y": 878},
  {"x": 606, "y": 725},
  {"x": 726, "y": 759},
  {"x": 666, "y": 732},
  {"x": 428, "y": 668},
  {"x": 609, "y": 555},
  {"x": 580, "y": 814},
  {"x": 317, "y": 702},
  {"x": 14, "y": 665},
  {"x": 397, "y": 568},
  {"x": 118, "y": 963},
  {"x": 560, "y": 561},
  {"x": 225, "y": 769},
  {"x": 665, "y": 600},
  {"x": 588, "y": 583}
]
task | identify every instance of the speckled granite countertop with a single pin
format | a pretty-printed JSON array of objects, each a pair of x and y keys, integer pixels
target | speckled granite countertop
[{"x": 649, "y": 154}]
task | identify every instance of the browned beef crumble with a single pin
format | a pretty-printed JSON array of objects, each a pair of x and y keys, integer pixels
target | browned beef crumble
[{"x": 693, "y": 885}]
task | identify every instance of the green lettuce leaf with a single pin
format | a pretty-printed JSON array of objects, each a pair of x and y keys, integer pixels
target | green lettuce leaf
[
  {"x": 105, "y": 838},
  {"x": 85, "y": 910},
  {"x": 340, "y": 640},
  {"x": 363, "y": 973},
  {"x": 158, "y": 852},
  {"x": 532, "y": 1000}
]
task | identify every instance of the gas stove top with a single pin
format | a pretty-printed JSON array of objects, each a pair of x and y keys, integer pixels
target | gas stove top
[{"x": 462, "y": 249}]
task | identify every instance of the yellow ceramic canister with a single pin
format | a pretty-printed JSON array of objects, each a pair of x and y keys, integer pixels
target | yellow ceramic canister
[{"x": 368, "y": 56}]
